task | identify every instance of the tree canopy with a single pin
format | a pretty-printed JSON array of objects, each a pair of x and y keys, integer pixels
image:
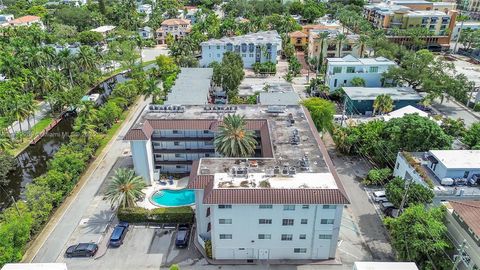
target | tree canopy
[{"x": 415, "y": 193}]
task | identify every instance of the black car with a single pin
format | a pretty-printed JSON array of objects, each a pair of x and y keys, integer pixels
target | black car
[
  {"x": 82, "y": 250},
  {"x": 183, "y": 235},
  {"x": 119, "y": 232}
]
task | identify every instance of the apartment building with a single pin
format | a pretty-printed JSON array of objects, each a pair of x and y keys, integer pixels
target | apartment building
[
  {"x": 329, "y": 47},
  {"x": 257, "y": 47},
  {"x": 341, "y": 71},
  {"x": 178, "y": 28},
  {"x": 394, "y": 16},
  {"x": 284, "y": 202},
  {"x": 469, "y": 5}
]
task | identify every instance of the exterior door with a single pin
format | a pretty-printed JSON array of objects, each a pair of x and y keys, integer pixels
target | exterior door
[{"x": 263, "y": 254}]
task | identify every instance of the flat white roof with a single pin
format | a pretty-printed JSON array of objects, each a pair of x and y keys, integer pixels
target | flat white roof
[
  {"x": 352, "y": 60},
  {"x": 103, "y": 28},
  {"x": 299, "y": 180},
  {"x": 458, "y": 159},
  {"x": 403, "y": 111},
  {"x": 371, "y": 93},
  {"x": 385, "y": 266},
  {"x": 35, "y": 266}
]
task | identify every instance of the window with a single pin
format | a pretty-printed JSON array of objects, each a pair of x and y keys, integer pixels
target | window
[
  {"x": 265, "y": 206},
  {"x": 287, "y": 222},
  {"x": 398, "y": 165},
  {"x": 302, "y": 237},
  {"x": 304, "y": 221},
  {"x": 179, "y": 167},
  {"x": 225, "y": 221},
  {"x": 329, "y": 206},
  {"x": 337, "y": 70},
  {"x": 299, "y": 250},
  {"x": 224, "y": 206},
  {"x": 175, "y": 131},
  {"x": 178, "y": 155},
  {"x": 244, "y": 55},
  {"x": 325, "y": 236},
  {"x": 264, "y": 221},
  {"x": 287, "y": 237},
  {"x": 176, "y": 143},
  {"x": 225, "y": 236},
  {"x": 305, "y": 206},
  {"x": 373, "y": 70},
  {"x": 289, "y": 207},
  {"x": 264, "y": 236},
  {"x": 326, "y": 221},
  {"x": 350, "y": 69},
  {"x": 206, "y": 131}
]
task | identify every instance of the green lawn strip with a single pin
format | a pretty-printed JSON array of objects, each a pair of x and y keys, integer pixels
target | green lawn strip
[{"x": 35, "y": 130}]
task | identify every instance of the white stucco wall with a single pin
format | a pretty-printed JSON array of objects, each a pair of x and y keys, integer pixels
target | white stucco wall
[{"x": 143, "y": 159}]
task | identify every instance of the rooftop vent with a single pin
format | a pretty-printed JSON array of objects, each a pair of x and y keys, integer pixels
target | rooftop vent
[
  {"x": 295, "y": 138},
  {"x": 305, "y": 163},
  {"x": 292, "y": 171},
  {"x": 239, "y": 171},
  {"x": 166, "y": 109},
  {"x": 285, "y": 170},
  {"x": 217, "y": 109},
  {"x": 291, "y": 121},
  {"x": 276, "y": 170}
]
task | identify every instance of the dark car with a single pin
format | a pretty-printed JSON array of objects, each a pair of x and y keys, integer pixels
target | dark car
[
  {"x": 183, "y": 235},
  {"x": 119, "y": 232},
  {"x": 82, "y": 250}
]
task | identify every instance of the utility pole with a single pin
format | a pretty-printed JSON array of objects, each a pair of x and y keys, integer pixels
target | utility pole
[
  {"x": 404, "y": 198},
  {"x": 459, "y": 257},
  {"x": 343, "y": 111}
]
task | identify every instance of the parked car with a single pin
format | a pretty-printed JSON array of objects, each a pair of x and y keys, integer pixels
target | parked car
[
  {"x": 379, "y": 196},
  {"x": 384, "y": 206},
  {"x": 118, "y": 234},
  {"x": 392, "y": 212},
  {"x": 183, "y": 235},
  {"x": 82, "y": 250}
]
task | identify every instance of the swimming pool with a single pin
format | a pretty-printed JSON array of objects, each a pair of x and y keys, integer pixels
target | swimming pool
[{"x": 168, "y": 197}]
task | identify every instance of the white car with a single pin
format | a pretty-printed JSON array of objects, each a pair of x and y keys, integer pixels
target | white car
[{"x": 379, "y": 196}]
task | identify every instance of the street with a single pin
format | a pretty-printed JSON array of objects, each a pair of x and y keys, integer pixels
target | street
[{"x": 454, "y": 110}]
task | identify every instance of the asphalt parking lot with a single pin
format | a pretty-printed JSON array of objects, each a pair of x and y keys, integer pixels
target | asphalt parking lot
[{"x": 143, "y": 248}]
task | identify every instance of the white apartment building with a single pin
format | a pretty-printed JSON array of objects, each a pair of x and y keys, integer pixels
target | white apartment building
[
  {"x": 341, "y": 71},
  {"x": 257, "y": 47},
  {"x": 285, "y": 202}
]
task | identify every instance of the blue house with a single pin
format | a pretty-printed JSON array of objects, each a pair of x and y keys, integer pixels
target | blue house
[{"x": 359, "y": 100}]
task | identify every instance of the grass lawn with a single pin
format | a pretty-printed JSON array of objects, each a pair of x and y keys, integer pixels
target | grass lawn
[{"x": 36, "y": 129}]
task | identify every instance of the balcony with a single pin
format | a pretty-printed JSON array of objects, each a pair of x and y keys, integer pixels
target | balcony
[{"x": 188, "y": 151}]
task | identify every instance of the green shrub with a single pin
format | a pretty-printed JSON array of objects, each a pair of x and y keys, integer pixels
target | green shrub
[
  {"x": 378, "y": 176},
  {"x": 208, "y": 248},
  {"x": 183, "y": 214},
  {"x": 476, "y": 107}
]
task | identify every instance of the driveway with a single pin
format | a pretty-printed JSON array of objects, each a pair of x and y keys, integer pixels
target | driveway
[{"x": 149, "y": 54}]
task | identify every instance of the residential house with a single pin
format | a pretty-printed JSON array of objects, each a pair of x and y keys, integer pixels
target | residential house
[
  {"x": 283, "y": 203},
  {"x": 395, "y": 16},
  {"x": 470, "y": 6},
  {"x": 298, "y": 39},
  {"x": 257, "y": 47},
  {"x": 146, "y": 32},
  {"x": 466, "y": 25},
  {"x": 330, "y": 49},
  {"x": 360, "y": 100},
  {"x": 385, "y": 266},
  {"x": 5, "y": 18},
  {"x": 145, "y": 9},
  {"x": 104, "y": 30},
  {"x": 189, "y": 13},
  {"x": 341, "y": 71},
  {"x": 178, "y": 28},
  {"x": 26, "y": 21},
  {"x": 463, "y": 223}
]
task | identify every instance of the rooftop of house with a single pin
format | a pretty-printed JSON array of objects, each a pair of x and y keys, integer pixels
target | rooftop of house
[
  {"x": 352, "y": 60},
  {"x": 183, "y": 93},
  {"x": 370, "y": 93},
  {"x": 458, "y": 159},
  {"x": 103, "y": 28},
  {"x": 402, "y": 112},
  {"x": 263, "y": 37},
  {"x": 294, "y": 162},
  {"x": 423, "y": 13},
  {"x": 24, "y": 19},
  {"x": 279, "y": 98},
  {"x": 173, "y": 22},
  {"x": 332, "y": 33},
  {"x": 297, "y": 34},
  {"x": 385, "y": 265},
  {"x": 469, "y": 211}
]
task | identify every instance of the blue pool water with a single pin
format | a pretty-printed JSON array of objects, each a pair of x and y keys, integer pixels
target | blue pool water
[{"x": 168, "y": 197}]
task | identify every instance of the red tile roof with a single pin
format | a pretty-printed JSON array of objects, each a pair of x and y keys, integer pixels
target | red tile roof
[
  {"x": 469, "y": 211},
  {"x": 24, "y": 19},
  {"x": 170, "y": 22},
  {"x": 298, "y": 34}
]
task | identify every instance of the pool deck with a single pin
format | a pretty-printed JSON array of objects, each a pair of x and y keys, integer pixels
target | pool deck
[{"x": 150, "y": 190}]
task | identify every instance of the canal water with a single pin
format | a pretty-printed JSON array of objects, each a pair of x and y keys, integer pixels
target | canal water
[{"x": 32, "y": 162}]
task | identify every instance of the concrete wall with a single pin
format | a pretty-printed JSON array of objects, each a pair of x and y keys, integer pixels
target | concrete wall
[
  {"x": 245, "y": 228},
  {"x": 336, "y": 80},
  {"x": 405, "y": 171},
  {"x": 143, "y": 159},
  {"x": 443, "y": 172}
]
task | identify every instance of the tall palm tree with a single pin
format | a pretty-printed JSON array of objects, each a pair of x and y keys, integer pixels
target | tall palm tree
[
  {"x": 460, "y": 18},
  {"x": 362, "y": 42},
  {"x": 29, "y": 107},
  {"x": 323, "y": 36},
  {"x": 125, "y": 188},
  {"x": 66, "y": 62},
  {"x": 233, "y": 139},
  {"x": 5, "y": 142},
  {"x": 86, "y": 58},
  {"x": 382, "y": 104},
  {"x": 340, "y": 39}
]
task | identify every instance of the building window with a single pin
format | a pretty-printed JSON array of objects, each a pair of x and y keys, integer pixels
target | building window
[
  {"x": 373, "y": 70},
  {"x": 176, "y": 143},
  {"x": 225, "y": 221},
  {"x": 299, "y": 250},
  {"x": 179, "y": 167},
  {"x": 350, "y": 69},
  {"x": 209, "y": 227},
  {"x": 225, "y": 236},
  {"x": 305, "y": 206},
  {"x": 337, "y": 70},
  {"x": 265, "y": 206},
  {"x": 287, "y": 222},
  {"x": 329, "y": 206},
  {"x": 264, "y": 236},
  {"x": 175, "y": 131},
  {"x": 218, "y": 47},
  {"x": 178, "y": 155},
  {"x": 208, "y": 212},
  {"x": 244, "y": 55},
  {"x": 289, "y": 207},
  {"x": 224, "y": 206},
  {"x": 206, "y": 131},
  {"x": 287, "y": 237},
  {"x": 302, "y": 237},
  {"x": 326, "y": 221},
  {"x": 325, "y": 236},
  {"x": 304, "y": 221},
  {"x": 398, "y": 165},
  {"x": 264, "y": 221}
]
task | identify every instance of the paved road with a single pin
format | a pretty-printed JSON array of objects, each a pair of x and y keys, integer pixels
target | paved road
[
  {"x": 350, "y": 171},
  {"x": 454, "y": 110},
  {"x": 53, "y": 245},
  {"x": 149, "y": 54}
]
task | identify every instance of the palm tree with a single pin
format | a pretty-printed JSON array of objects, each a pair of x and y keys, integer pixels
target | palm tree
[
  {"x": 323, "y": 36},
  {"x": 460, "y": 18},
  {"x": 362, "y": 42},
  {"x": 66, "y": 62},
  {"x": 340, "y": 39},
  {"x": 29, "y": 107},
  {"x": 383, "y": 104},
  {"x": 86, "y": 58},
  {"x": 5, "y": 142},
  {"x": 233, "y": 139},
  {"x": 125, "y": 188}
]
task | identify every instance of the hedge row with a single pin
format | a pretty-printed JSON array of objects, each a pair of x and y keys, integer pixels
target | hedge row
[{"x": 183, "y": 214}]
